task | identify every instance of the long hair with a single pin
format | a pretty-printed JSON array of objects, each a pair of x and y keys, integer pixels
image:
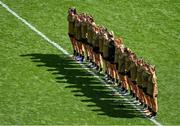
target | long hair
[{"x": 119, "y": 41}]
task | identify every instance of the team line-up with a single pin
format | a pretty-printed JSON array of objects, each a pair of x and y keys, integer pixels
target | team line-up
[{"x": 108, "y": 54}]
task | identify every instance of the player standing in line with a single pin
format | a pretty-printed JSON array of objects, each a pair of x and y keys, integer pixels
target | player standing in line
[
  {"x": 83, "y": 34},
  {"x": 79, "y": 38},
  {"x": 139, "y": 80},
  {"x": 111, "y": 55},
  {"x": 118, "y": 45},
  {"x": 128, "y": 54},
  {"x": 77, "y": 35},
  {"x": 152, "y": 91},
  {"x": 95, "y": 44},
  {"x": 101, "y": 34},
  {"x": 121, "y": 70},
  {"x": 133, "y": 75},
  {"x": 88, "y": 46},
  {"x": 91, "y": 25},
  {"x": 105, "y": 53},
  {"x": 71, "y": 28},
  {"x": 98, "y": 54},
  {"x": 145, "y": 76}
]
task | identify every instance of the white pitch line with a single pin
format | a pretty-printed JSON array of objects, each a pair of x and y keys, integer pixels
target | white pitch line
[
  {"x": 34, "y": 29},
  {"x": 66, "y": 53}
]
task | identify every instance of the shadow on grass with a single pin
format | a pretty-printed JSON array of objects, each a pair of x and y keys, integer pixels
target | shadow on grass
[{"x": 82, "y": 84}]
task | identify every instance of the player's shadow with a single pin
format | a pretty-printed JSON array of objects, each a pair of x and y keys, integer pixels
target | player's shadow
[{"x": 83, "y": 84}]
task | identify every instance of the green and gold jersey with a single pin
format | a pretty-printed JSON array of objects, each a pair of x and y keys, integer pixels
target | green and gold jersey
[
  {"x": 152, "y": 88},
  {"x": 101, "y": 42},
  {"x": 139, "y": 75},
  {"x": 133, "y": 71},
  {"x": 105, "y": 46},
  {"x": 145, "y": 76},
  {"x": 90, "y": 33},
  {"x": 116, "y": 56},
  {"x": 84, "y": 29},
  {"x": 77, "y": 30},
  {"x": 127, "y": 62},
  {"x": 121, "y": 63},
  {"x": 71, "y": 21}
]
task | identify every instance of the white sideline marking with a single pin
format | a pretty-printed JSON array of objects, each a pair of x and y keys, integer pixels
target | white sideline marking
[
  {"x": 66, "y": 53},
  {"x": 34, "y": 29}
]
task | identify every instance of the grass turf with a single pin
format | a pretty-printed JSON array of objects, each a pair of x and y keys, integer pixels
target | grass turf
[{"x": 35, "y": 89}]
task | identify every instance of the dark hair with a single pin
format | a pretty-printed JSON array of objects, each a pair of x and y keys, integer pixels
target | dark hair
[
  {"x": 72, "y": 10},
  {"x": 91, "y": 19}
]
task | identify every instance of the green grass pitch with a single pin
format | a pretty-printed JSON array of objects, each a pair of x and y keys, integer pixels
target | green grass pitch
[{"x": 40, "y": 85}]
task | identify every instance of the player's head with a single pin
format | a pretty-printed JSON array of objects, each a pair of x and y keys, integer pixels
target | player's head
[
  {"x": 111, "y": 34},
  {"x": 145, "y": 67},
  {"x": 72, "y": 10},
  {"x": 127, "y": 50},
  {"x": 140, "y": 61},
  {"x": 90, "y": 18},
  {"x": 152, "y": 68},
  {"x": 121, "y": 49},
  {"x": 135, "y": 60},
  {"x": 133, "y": 56},
  {"x": 120, "y": 41}
]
